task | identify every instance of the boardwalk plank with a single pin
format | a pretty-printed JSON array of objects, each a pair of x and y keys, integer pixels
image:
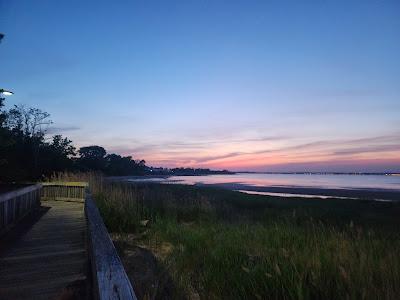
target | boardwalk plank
[{"x": 47, "y": 258}]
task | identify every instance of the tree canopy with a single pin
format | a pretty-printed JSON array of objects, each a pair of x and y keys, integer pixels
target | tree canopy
[{"x": 28, "y": 153}]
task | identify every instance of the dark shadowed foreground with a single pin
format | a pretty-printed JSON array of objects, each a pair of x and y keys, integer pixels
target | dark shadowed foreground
[{"x": 49, "y": 257}]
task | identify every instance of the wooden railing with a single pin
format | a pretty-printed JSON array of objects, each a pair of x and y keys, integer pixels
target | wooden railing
[
  {"x": 16, "y": 204},
  {"x": 66, "y": 191},
  {"x": 109, "y": 279}
]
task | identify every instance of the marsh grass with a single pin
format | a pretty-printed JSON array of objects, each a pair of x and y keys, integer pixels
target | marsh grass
[
  {"x": 229, "y": 245},
  {"x": 240, "y": 261}
]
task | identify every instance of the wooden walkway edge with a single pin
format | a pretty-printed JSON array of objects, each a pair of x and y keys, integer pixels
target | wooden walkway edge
[
  {"x": 66, "y": 254},
  {"x": 49, "y": 257}
]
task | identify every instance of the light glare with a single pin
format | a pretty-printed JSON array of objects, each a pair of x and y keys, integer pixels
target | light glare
[{"x": 6, "y": 93}]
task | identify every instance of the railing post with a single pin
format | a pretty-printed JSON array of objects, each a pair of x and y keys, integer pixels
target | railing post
[{"x": 5, "y": 210}]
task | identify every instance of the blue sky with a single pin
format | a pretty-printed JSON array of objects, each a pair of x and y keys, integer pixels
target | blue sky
[{"x": 244, "y": 85}]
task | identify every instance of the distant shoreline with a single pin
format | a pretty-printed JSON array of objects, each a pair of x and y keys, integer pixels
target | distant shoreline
[
  {"x": 248, "y": 172},
  {"x": 324, "y": 173},
  {"x": 359, "y": 193}
]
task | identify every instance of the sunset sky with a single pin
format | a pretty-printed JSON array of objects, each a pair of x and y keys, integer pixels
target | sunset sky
[{"x": 239, "y": 85}]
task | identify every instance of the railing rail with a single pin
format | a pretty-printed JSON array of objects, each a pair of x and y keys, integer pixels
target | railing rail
[
  {"x": 16, "y": 204},
  {"x": 65, "y": 191},
  {"x": 110, "y": 280}
]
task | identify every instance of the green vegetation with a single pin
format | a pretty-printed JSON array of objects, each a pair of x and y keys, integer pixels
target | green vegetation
[
  {"x": 219, "y": 244},
  {"x": 27, "y": 154},
  {"x": 280, "y": 260}
]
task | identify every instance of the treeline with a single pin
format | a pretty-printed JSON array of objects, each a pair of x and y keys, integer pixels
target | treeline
[
  {"x": 27, "y": 153},
  {"x": 187, "y": 171}
]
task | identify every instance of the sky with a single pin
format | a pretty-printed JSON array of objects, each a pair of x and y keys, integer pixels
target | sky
[{"x": 238, "y": 85}]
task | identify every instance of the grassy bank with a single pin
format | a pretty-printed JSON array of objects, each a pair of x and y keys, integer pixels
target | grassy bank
[{"x": 218, "y": 244}]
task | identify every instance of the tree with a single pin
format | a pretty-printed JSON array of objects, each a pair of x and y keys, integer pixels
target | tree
[
  {"x": 63, "y": 146},
  {"x": 25, "y": 154},
  {"x": 28, "y": 127},
  {"x": 57, "y": 155},
  {"x": 117, "y": 165},
  {"x": 5, "y": 140},
  {"x": 92, "y": 158},
  {"x": 31, "y": 122},
  {"x": 2, "y": 113}
]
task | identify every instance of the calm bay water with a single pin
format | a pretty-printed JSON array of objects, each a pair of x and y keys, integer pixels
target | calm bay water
[{"x": 326, "y": 181}]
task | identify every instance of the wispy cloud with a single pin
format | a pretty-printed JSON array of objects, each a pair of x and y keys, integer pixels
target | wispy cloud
[
  {"x": 368, "y": 149},
  {"x": 260, "y": 152},
  {"x": 337, "y": 165},
  {"x": 200, "y": 144},
  {"x": 217, "y": 157},
  {"x": 61, "y": 129}
]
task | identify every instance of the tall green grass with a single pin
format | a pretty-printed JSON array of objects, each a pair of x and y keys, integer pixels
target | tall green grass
[
  {"x": 227, "y": 245},
  {"x": 280, "y": 261}
]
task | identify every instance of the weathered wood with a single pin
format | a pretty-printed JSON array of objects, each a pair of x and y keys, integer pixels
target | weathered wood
[
  {"x": 110, "y": 280},
  {"x": 17, "y": 193},
  {"x": 64, "y": 191},
  {"x": 50, "y": 254},
  {"x": 47, "y": 258},
  {"x": 66, "y": 199},
  {"x": 16, "y": 204},
  {"x": 65, "y": 183}
]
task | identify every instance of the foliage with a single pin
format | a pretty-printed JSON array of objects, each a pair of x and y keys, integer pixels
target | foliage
[
  {"x": 92, "y": 158},
  {"x": 119, "y": 165},
  {"x": 96, "y": 158},
  {"x": 27, "y": 153},
  {"x": 30, "y": 122},
  {"x": 279, "y": 260},
  {"x": 22, "y": 135}
]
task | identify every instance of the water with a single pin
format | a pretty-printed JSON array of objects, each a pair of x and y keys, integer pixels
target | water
[
  {"x": 325, "y": 181},
  {"x": 374, "y": 187},
  {"x": 290, "y": 195}
]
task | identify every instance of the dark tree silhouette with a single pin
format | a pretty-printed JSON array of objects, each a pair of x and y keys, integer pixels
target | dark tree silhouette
[
  {"x": 92, "y": 158},
  {"x": 57, "y": 155},
  {"x": 5, "y": 140},
  {"x": 26, "y": 153},
  {"x": 122, "y": 166}
]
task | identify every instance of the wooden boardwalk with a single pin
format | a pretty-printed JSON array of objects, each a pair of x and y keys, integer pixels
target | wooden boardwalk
[{"x": 50, "y": 256}]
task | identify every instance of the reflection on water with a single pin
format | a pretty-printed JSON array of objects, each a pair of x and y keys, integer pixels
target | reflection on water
[
  {"x": 291, "y": 180},
  {"x": 298, "y": 180},
  {"x": 287, "y": 195}
]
